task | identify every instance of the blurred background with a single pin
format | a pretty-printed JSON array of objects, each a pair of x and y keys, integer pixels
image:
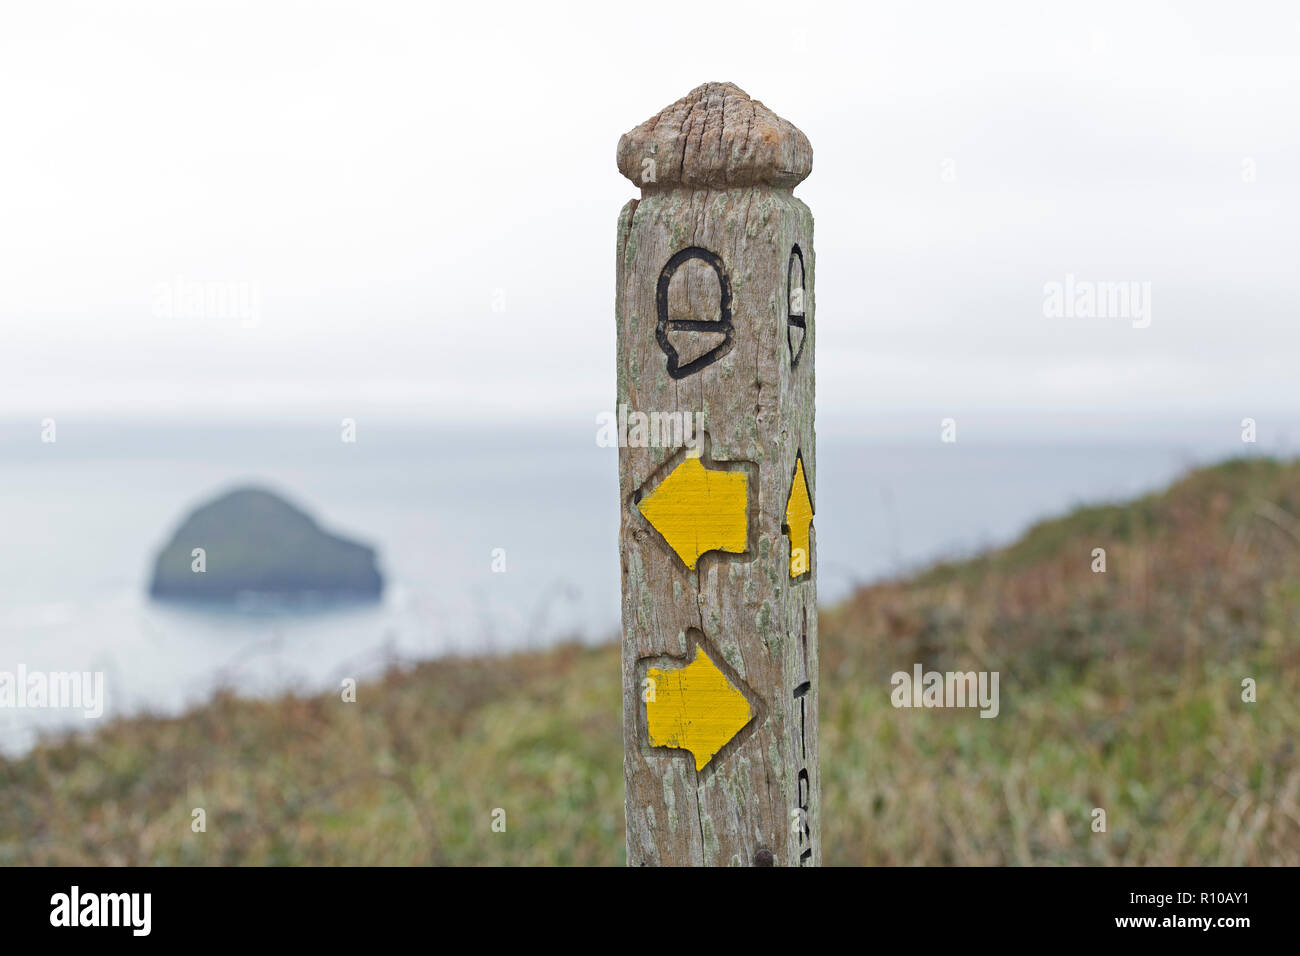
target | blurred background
[{"x": 228, "y": 228}]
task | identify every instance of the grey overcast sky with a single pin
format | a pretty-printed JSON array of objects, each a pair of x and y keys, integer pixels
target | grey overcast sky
[{"x": 382, "y": 173}]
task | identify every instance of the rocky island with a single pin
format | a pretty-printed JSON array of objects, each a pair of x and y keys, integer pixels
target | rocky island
[{"x": 252, "y": 543}]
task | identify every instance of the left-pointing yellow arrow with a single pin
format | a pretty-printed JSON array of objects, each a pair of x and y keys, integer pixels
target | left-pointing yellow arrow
[
  {"x": 694, "y": 708},
  {"x": 699, "y": 510}
]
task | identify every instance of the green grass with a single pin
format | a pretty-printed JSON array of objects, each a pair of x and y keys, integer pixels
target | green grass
[{"x": 1119, "y": 691}]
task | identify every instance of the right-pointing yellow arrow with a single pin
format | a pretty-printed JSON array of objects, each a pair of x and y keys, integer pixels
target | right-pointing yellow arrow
[
  {"x": 695, "y": 708},
  {"x": 699, "y": 510}
]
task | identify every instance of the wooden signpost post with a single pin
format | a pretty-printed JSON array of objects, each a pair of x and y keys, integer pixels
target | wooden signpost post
[{"x": 715, "y": 313}]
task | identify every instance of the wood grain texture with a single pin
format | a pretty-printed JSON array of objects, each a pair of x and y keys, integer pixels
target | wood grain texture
[
  {"x": 745, "y": 611},
  {"x": 717, "y": 137},
  {"x": 697, "y": 510},
  {"x": 694, "y": 708}
]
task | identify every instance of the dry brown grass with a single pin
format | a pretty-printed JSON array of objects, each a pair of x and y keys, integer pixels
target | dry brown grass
[{"x": 1118, "y": 690}]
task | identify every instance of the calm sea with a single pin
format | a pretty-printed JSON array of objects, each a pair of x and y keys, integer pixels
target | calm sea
[{"x": 81, "y": 519}]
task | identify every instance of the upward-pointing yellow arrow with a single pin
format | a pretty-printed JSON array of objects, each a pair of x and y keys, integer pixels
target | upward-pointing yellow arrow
[
  {"x": 798, "y": 516},
  {"x": 698, "y": 510},
  {"x": 694, "y": 708}
]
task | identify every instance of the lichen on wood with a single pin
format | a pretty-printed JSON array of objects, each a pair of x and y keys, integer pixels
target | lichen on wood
[{"x": 706, "y": 325}]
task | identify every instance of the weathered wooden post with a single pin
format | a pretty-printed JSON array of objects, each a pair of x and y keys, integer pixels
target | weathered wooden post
[{"x": 717, "y": 473}]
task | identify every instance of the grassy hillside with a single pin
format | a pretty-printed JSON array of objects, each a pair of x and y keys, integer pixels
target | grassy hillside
[{"x": 1119, "y": 690}]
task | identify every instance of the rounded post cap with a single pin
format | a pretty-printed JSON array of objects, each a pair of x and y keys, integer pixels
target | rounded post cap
[{"x": 715, "y": 137}]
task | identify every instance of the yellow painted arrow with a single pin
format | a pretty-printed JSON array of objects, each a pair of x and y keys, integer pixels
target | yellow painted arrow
[
  {"x": 798, "y": 516},
  {"x": 699, "y": 510},
  {"x": 694, "y": 708}
]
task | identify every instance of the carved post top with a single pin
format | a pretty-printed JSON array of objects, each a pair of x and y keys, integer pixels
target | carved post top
[{"x": 715, "y": 137}]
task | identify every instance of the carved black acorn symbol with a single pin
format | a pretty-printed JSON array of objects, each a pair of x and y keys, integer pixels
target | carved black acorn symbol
[
  {"x": 795, "y": 317},
  {"x": 666, "y": 325}
]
